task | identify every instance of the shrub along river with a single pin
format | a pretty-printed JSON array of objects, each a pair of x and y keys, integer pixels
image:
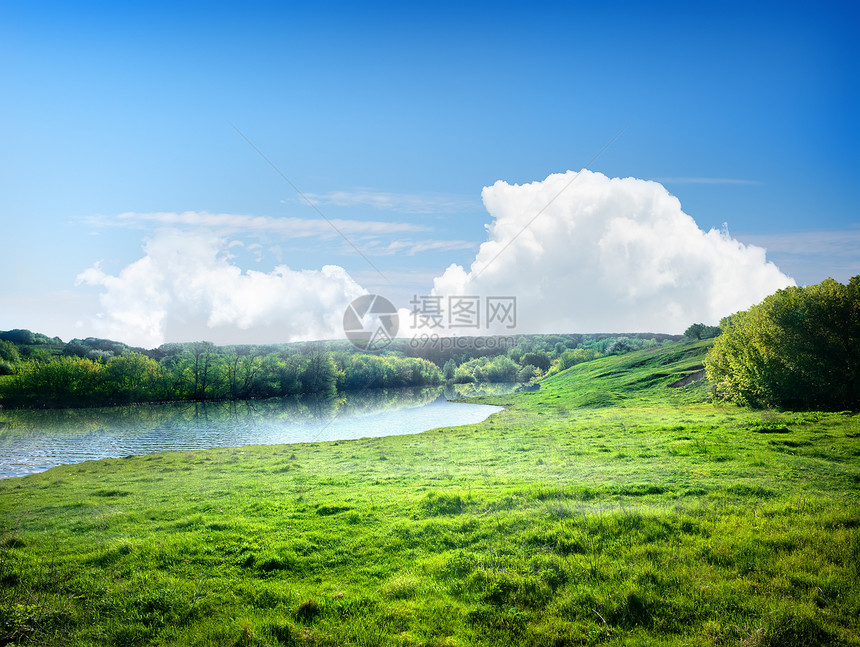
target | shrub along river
[{"x": 34, "y": 440}]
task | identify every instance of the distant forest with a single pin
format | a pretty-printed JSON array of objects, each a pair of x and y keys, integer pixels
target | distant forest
[{"x": 41, "y": 371}]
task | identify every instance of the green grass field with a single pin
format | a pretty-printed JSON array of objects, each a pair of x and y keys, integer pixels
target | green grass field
[{"x": 605, "y": 508}]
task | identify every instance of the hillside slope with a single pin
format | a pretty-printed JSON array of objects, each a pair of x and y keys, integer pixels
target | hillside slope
[{"x": 631, "y": 379}]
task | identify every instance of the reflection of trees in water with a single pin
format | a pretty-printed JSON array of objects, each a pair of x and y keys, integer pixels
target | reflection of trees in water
[
  {"x": 324, "y": 407},
  {"x": 478, "y": 389},
  {"x": 317, "y": 408}
]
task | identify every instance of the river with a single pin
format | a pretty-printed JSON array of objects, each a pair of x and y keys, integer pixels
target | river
[{"x": 35, "y": 440}]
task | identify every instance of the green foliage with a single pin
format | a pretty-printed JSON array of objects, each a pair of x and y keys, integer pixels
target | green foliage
[
  {"x": 571, "y": 358},
  {"x": 487, "y": 369},
  {"x": 448, "y": 370},
  {"x": 57, "y": 381},
  {"x": 798, "y": 349},
  {"x": 22, "y": 336},
  {"x": 619, "y": 346},
  {"x": 201, "y": 371},
  {"x": 359, "y": 372},
  {"x": 539, "y": 360},
  {"x": 8, "y": 351},
  {"x": 528, "y": 373},
  {"x": 18, "y": 336},
  {"x": 701, "y": 331},
  {"x": 94, "y": 348},
  {"x": 133, "y": 377},
  {"x": 442, "y": 350}
]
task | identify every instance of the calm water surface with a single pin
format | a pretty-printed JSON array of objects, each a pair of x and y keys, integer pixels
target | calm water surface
[{"x": 36, "y": 440}]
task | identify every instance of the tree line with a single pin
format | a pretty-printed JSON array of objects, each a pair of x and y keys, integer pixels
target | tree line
[
  {"x": 36, "y": 370},
  {"x": 202, "y": 371}
]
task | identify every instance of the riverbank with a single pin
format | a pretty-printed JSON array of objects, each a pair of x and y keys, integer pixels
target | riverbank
[{"x": 605, "y": 507}]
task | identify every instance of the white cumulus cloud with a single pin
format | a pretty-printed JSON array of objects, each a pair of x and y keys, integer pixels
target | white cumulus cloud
[
  {"x": 607, "y": 255},
  {"x": 185, "y": 288}
]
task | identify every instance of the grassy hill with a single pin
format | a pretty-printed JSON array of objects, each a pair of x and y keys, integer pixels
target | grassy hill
[
  {"x": 634, "y": 378},
  {"x": 605, "y": 508}
]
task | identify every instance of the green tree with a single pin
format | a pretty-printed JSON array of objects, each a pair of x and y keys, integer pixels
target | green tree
[
  {"x": 797, "y": 349},
  {"x": 487, "y": 369},
  {"x": 8, "y": 351},
  {"x": 528, "y": 372},
  {"x": 286, "y": 372},
  {"x": 701, "y": 331},
  {"x": 244, "y": 370},
  {"x": 448, "y": 370},
  {"x": 58, "y": 381},
  {"x": 197, "y": 373},
  {"x": 620, "y": 346},
  {"x": 538, "y": 359},
  {"x": 321, "y": 373},
  {"x": 132, "y": 377}
]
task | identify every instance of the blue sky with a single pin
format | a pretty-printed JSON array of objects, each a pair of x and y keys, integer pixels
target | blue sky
[{"x": 392, "y": 119}]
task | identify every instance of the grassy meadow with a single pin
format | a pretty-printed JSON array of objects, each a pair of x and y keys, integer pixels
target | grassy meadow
[{"x": 605, "y": 508}]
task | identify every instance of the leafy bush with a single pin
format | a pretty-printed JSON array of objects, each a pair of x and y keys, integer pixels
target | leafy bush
[
  {"x": 8, "y": 351},
  {"x": 538, "y": 360},
  {"x": 797, "y": 349},
  {"x": 487, "y": 369},
  {"x": 620, "y": 346}
]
